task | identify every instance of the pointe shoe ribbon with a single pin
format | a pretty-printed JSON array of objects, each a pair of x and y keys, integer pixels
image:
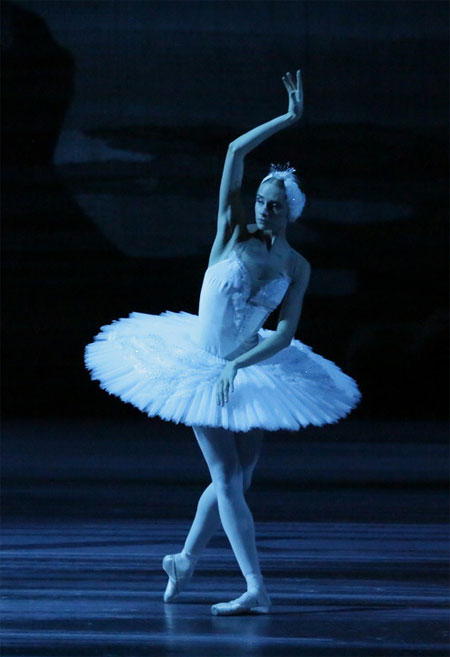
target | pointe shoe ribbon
[
  {"x": 251, "y": 602},
  {"x": 178, "y": 577}
]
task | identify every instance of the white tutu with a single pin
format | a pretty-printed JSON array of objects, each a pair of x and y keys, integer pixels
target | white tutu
[
  {"x": 168, "y": 365},
  {"x": 152, "y": 362}
]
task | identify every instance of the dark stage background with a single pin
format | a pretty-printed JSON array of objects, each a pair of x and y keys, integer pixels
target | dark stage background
[{"x": 116, "y": 117}]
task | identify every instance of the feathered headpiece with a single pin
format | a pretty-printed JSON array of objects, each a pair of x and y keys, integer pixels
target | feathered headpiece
[{"x": 295, "y": 198}]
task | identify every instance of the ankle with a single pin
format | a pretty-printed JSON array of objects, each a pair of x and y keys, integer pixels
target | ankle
[
  {"x": 189, "y": 557},
  {"x": 255, "y": 582}
]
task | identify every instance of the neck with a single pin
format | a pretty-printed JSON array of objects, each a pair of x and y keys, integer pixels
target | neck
[{"x": 281, "y": 233}]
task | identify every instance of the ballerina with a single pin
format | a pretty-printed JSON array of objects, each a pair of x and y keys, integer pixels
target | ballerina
[{"x": 223, "y": 374}]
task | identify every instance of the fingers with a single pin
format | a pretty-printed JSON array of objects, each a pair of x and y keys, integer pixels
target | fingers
[
  {"x": 222, "y": 392},
  {"x": 219, "y": 393},
  {"x": 289, "y": 82}
]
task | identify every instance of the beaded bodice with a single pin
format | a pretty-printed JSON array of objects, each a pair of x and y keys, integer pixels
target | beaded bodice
[{"x": 230, "y": 314}]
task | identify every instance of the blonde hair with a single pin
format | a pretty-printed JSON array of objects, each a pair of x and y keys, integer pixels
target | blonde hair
[{"x": 295, "y": 198}]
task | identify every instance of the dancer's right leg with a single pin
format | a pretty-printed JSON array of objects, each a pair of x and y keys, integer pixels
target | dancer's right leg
[
  {"x": 180, "y": 567},
  {"x": 206, "y": 523}
]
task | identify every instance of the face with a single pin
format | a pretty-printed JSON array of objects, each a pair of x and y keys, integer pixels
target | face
[{"x": 271, "y": 210}]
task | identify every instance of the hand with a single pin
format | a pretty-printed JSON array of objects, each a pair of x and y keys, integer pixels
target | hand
[
  {"x": 225, "y": 383},
  {"x": 295, "y": 92}
]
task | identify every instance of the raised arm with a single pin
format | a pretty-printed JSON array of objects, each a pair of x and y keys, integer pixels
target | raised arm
[{"x": 231, "y": 216}]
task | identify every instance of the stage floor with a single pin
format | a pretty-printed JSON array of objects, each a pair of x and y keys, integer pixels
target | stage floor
[
  {"x": 351, "y": 530},
  {"x": 78, "y": 588}
]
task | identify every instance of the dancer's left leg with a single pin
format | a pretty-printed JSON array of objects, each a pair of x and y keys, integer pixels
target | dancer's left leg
[
  {"x": 207, "y": 519},
  {"x": 221, "y": 455}
]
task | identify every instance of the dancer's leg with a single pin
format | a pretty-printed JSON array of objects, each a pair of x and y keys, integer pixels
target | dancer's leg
[
  {"x": 205, "y": 524},
  {"x": 249, "y": 448},
  {"x": 207, "y": 519},
  {"x": 221, "y": 453}
]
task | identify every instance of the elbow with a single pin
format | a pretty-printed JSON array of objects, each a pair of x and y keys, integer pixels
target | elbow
[
  {"x": 285, "y": 340},
  {"x": 236, "y": 149}
]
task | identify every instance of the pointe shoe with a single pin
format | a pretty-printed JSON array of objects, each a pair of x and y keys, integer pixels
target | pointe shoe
[
  {"x": 178, "y": 576},
  {"x": 251, "y": 602}
]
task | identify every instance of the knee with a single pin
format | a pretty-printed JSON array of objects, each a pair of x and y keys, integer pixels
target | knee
[{"x": 228, "y": 479}]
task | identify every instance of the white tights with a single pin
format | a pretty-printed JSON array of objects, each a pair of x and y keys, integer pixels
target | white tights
[{"x": 231, "y": 458}]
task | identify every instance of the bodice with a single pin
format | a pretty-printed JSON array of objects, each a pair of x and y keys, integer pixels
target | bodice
[{"x": 230, "y": 314}]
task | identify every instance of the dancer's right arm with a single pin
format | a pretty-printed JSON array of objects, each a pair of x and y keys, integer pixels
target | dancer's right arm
[{"x": 231, "y": 218}]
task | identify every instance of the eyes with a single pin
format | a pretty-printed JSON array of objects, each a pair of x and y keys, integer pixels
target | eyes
[{"x": 272, "y": 205}]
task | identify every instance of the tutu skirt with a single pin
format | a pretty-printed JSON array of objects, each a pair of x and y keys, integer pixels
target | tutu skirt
[{"x": 153, "y": 362}]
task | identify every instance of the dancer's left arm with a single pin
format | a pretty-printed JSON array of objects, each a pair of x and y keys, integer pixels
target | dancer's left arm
[{"x": 290, "y": 312}]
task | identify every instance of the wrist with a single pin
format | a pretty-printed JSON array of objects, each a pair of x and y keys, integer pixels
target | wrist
[{"x": 293, "y": 118}]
